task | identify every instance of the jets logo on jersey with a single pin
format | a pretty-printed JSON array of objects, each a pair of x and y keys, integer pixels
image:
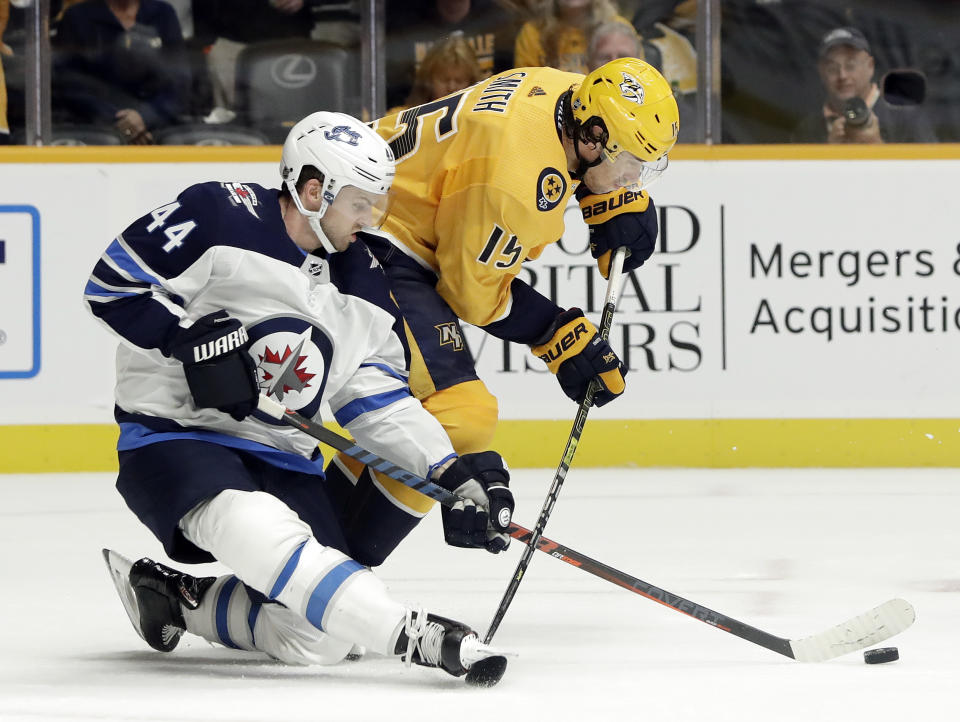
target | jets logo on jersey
[
  {"x": 631, "y": 89},
  {"x": 281, "y": 372},
  {"x": 450, "y": 336},
  {"x": 242, "y": 195},
  {"x": 293, "y": 360},
  {"x": 344, "y": 134},
  {"x": 551, "y": 188}
]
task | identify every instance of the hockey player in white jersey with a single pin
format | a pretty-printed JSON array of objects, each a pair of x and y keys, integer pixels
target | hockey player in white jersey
[{"x": 232, "y": 291}]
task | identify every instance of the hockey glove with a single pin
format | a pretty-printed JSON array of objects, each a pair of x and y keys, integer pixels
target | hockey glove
[
  {"x": 576, "y": 353},
  {"x": 621, "y": 218},
  {"x": 220, "y": 372},
  {"x": 483, "y": 519}
]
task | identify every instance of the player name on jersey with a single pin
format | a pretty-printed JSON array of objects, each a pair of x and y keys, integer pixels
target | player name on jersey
[{"x": 498, "y": 93}]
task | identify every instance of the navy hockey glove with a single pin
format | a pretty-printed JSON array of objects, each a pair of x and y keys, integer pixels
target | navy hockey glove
[
  {"x": 621, "y": 218},
  {"x": 576, "y": 353},
  {"x": 483, "y": 519},
  {"x": 220, "y": 372}
]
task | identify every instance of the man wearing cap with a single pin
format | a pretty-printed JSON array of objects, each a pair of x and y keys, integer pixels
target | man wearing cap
[{"x": 854, "y": 111}]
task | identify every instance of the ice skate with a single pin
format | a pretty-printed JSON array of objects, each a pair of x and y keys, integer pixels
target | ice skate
[
  {"x": 152, "y": 594},
  {"x": 433, "y": 641}
]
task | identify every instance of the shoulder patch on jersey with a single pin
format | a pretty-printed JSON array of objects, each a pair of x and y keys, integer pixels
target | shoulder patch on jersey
[
  {"x": 551, "y": 187},
  {"x": 536, "y": 90},
  {"x": 242, "y": 195}
]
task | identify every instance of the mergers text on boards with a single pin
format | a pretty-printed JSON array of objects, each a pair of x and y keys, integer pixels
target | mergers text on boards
[{"x": 847, "y": 264}]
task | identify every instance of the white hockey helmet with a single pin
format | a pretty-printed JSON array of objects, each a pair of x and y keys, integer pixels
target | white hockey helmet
[{"x": 347, "y": 152}]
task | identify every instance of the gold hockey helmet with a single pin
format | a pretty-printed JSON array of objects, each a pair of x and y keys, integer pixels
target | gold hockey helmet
[{"x": 635, "y": 103}]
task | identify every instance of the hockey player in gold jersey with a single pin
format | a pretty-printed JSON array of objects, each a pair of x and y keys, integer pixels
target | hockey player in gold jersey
[{"x": 483, "y": 178}]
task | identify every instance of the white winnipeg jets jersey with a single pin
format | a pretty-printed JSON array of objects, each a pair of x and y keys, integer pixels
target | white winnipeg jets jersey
[{"x": 321, "y": 329}]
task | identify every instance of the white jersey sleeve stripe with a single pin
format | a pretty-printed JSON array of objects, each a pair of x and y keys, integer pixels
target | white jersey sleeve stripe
[{"x": 389, "y": 370}]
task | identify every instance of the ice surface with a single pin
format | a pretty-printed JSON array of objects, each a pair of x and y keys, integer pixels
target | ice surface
[{"x": 790, "y": 552}]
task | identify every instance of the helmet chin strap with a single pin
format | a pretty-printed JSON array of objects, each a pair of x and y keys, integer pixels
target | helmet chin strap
[
  {"x": 313, "y": 218},
  {"x": 583, "y": 165}
]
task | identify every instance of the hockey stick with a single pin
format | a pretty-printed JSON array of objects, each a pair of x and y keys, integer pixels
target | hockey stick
[
  {"x": 606, "y": 319},
  {"x": 861, "y": 632}
]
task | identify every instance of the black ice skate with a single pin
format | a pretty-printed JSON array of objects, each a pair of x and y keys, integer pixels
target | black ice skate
[
  {"x": 434, "y": 641},
  {"x": 152, "y": 594}
]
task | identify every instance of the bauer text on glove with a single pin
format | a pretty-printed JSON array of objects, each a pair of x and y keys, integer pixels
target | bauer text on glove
[
  {"x": 623, "y": 218},
  {"x": 220, "y": 372},
  {"x": 483, "y": 518},
  {"x": 576, "y": 353}
]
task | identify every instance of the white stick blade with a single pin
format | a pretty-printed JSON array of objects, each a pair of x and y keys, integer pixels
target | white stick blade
[{"x": 864, "y": 631}]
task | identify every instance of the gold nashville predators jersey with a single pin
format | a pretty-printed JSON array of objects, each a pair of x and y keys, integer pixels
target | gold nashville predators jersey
[{"x": 481, "y": 184}]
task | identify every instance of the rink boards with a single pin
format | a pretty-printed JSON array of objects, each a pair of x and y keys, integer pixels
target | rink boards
[{"x": 801, "y": 309}]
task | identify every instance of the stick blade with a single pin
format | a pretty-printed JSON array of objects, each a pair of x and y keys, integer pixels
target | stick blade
[{"x": 865, "y": 630}]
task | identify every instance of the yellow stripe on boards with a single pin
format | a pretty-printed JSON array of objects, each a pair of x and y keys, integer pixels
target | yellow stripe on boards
[
  {"x": 730, "y": 443},
  {"x": 141, "y": 154},
  {"x": 58, "y": 448},
  {"x": 695, "y": 443},
  {"x": 271, "y": 153}
]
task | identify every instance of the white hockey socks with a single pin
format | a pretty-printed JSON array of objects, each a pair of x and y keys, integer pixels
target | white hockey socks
[{"x": 324, "y": 593}]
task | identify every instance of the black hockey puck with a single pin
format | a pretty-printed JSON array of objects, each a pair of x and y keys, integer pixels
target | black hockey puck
[
  {"x": 487, "y": 672},
  {"x": 881, "y": 655}
]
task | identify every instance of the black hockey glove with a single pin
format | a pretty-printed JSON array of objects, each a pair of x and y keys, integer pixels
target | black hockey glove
[
  {"x": 621, "y": 218},
  {"x": 220, "y": 372},
  {"x": 484, "y": 517},
  {"x": 576, "y": 353}
]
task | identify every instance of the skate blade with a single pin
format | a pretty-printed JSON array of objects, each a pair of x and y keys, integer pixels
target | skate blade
[{"x": 119, "y": 568}]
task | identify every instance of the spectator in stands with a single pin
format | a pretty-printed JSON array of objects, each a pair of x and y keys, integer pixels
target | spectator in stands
[
  {"x": 412, "y": 27},
  {"x": 120, "y": 62},
  {"x": 768, "y": 68},
  {"x": 614, "y": 40},
  {"x": 854, "y": 111},
  {"x": 450, "y": 65},
  {"x": 557, "y": 35},
  {"x": 5, "y": 51}
]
